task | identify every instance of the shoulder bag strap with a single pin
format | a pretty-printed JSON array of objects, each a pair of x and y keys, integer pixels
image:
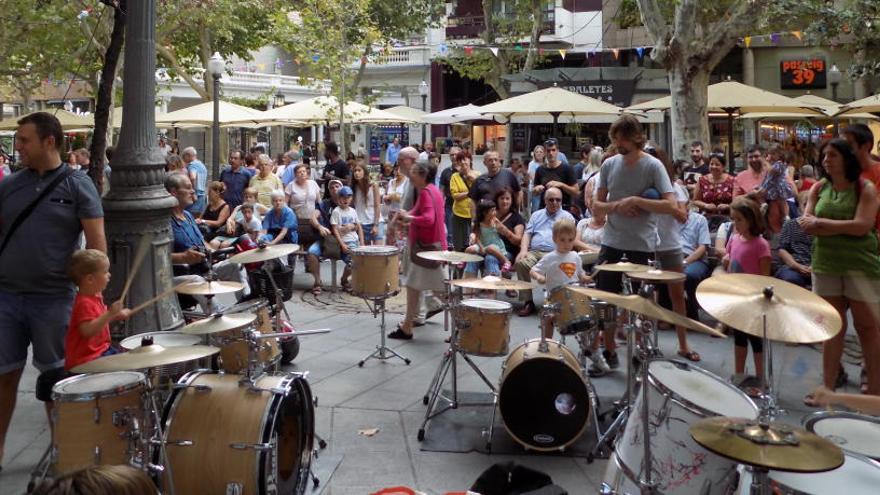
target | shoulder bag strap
[{"x": 33, "y": 205}]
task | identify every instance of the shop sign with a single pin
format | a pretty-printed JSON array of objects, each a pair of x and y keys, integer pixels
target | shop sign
[
  {"x": 617, "y": 92},
  {"x": 803, "y": 73}
]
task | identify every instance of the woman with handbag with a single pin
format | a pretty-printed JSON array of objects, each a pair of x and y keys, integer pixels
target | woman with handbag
[
  {"x": 427, "y": 232},
  {"x": 304, "y": 198}
]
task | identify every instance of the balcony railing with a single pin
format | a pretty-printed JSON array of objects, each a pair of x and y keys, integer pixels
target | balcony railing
[{"x": 471, "y": 26}]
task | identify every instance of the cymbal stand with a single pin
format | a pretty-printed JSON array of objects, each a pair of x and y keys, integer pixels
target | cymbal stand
[
  {"x": 770, "y": 409},
  {"x": 382, "y": 352},
  {"x": 646, "y": 479},
  {"x": 453, "y": 296},
  {"x": 158, "y": 437}
]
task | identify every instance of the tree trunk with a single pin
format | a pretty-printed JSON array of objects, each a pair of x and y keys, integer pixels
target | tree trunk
[
  {"x": 689, "y": 114},
  {"x": 104, "y": 100}
]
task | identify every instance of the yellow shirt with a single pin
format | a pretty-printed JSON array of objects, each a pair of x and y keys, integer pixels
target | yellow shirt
[
  {"x": 460, "y": 207},
  {"x": 265, "y": 187}
]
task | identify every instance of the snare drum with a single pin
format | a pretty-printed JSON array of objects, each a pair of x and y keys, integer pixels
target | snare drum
[
  {"x": 225, "y": 436},
  {"x": 575, "y": 312},
  {"x": 375, "y": 271},
  {"x": 680, "y": 394},
  {"x": 543, "y": 397},
  {"x": 96, "y": 420},
  {"x": 483, "y": 326},
  {"x": 855, "y": 433}
]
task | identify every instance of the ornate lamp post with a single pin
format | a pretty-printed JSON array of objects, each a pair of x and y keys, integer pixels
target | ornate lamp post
[
  {"x": 278, "y": 102},
  {"x": 834, "y": 78},
  {"x": 215, "y": 69},
  {"x": 423, "y": 91}
]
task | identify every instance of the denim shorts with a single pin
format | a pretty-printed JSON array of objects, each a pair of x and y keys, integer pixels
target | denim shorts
[
  {"x": 38, "y": 319},
  {"x": 369, "y": 238}
]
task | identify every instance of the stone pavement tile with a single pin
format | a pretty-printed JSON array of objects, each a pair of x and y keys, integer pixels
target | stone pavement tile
[
  {"x": 401, "y": 392},
  {"x": 17, "y": 470}
]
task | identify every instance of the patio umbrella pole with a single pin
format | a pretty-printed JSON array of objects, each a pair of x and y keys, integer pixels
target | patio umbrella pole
[{"x": 730, "y": 161}]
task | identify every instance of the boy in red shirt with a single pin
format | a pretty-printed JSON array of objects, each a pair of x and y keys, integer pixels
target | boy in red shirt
[{"x": 88, "y": 334}]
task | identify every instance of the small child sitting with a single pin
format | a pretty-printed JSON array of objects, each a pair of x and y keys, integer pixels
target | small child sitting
[
  {"x": 247, "y": 223},
  {"x": 487, "y": 242},
  {"x": 560, "y": 267},
  {"x": 88, "y": 334},
  {"x": 347, "y": 230},
  {"x": 776, "y": 191}
]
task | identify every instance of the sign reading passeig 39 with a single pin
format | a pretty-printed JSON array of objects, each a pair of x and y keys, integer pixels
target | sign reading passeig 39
[{"x": 802, "y": 73}]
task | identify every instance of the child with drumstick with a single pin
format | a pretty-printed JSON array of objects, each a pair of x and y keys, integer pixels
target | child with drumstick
[
  {"x": 559, "y": 267},
  {"x": 88, "y": 333}
]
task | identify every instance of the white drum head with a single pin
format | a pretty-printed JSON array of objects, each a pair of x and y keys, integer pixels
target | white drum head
[
  {"x": 857, "y": 476},
  {"x": 703, "y": 389},
  {"x": 165, "y": 339},
  {"x": 99, "y": 382},
  {"x": 375, "y": 250},
  {"x": 487, "y": 305},
  {"x": 852, "y": 434}
]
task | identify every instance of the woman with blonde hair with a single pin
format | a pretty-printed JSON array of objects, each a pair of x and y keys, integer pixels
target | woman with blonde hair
[
  {"x": 100, "y": 480},
  {"x": 538, "y": 157}
]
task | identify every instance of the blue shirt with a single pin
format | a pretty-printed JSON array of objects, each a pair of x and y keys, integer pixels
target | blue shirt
[
  {"x": 694, "y": 233},
  {"x": 393, "y": 151},
  {"x": 236, "y": 182},
  {"x": 289, "y": 173},
  {"x": 186, "y": 233},
  {"x": 540, "y": 227},
  {"x": 198, "y": 168},
  {"x": 273, "y": 222}
]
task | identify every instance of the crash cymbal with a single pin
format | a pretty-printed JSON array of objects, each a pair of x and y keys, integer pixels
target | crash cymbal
[
  {"x": 657, "y": 276},
  {"x": 589, "y": 256},
  {"x": 648, "y": 309},
  {"x": 622, "y": 266},
  {"x": 450, "y": 256},
  {"x": 219, "y": 323},
  {"x": 493, "y": 283},
  {"x": 147, "y": 356},
  {"x": 165, "y": 339},
  {"x": 209, "y": 288},
  {"x": 264, "y": 253},
  {"x": 794, "y": 315},
  {"x": 777, "y": 446}
]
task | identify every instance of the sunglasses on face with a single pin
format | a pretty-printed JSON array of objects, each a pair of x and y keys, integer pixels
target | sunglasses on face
[
  {"x": 552, "y": 200},
  {"x": 550, "y": 142}
]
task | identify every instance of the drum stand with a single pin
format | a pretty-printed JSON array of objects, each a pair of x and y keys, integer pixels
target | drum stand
[{"x": 382, "y": 352}]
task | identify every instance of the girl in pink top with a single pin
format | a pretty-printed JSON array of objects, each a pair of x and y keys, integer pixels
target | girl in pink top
[{"x": 747, "y": 252}]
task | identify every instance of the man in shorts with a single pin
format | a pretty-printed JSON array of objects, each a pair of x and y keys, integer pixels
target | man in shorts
[
  {"x": 633, "y": 188},
  {"x": 36, "y": 295}
]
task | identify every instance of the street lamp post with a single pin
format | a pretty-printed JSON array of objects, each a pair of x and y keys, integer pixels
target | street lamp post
[
  {"x": 215, "y": 69},
  {"x": 423, "y": 91},
  {"x": 278, "y": 102},
  {"x": 834, "y": 78}
]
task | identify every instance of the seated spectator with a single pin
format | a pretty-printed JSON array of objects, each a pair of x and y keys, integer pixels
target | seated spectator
[
  {"x": 795, "y": 254},
  {"x": 279, "y": 224},
  {"x": 714, "y": 191},
  {"x": 695, "y": 242}
]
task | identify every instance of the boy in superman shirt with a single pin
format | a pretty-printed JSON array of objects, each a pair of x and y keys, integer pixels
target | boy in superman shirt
[
  {"x": 88, "y": 334},
  {"x": 561, "y": 267}
]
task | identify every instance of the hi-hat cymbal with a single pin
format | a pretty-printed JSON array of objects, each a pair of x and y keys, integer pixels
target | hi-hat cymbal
[
  {"x": 219, "y": 323},
  {"x": 264, "y": 253},
  {"x": 146, "y": 356},
  {"x": 450, "y": 256},
  {"x": 778, "y": 446},
  {"x": 657, "y": 276},
  {"x": 209, "y": 288},
  {"x": 794, "y": 315},
  {"x": 622, "y": 266},
  {"x": 647, "y": 308},
  {"x": 492, "y": 283},
  {"x": 165, "y": 339}
]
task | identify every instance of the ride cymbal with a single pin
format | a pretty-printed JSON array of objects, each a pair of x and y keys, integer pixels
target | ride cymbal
[
  {"x": 146, "y": 356},
  {"x": 209, "y": 288},
  {"x": 794, "y": 315},
  {"x": 264, "y": 253},
  {"x": 492, "y": 283},
  {"x": 775, "y": 446},
  {"x": 622, "y": 267},
  {"x": 657, "y": 276},
  {"x": 450, "y": 256},
  {"x": 648, "y": 309},
  {"x": 165, "y": 339},
  {"x": 219, "y": 323}
]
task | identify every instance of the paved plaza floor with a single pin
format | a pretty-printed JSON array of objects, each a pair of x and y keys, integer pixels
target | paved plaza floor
[{"x": 388, "y": 396}]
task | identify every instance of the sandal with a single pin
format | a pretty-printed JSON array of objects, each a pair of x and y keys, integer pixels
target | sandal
[
  {"x": 316, "y": 290},
  {"x": 690, "y": 355},
  {"x": 399, "y": 334}
]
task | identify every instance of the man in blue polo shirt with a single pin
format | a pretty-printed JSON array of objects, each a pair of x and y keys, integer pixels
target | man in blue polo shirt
[
  {"x": 198, "y": 174},
  {"x": 236, "y": 178}
]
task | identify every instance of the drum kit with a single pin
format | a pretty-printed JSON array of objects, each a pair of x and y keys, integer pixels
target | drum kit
[{"x": 234, "y": 425}]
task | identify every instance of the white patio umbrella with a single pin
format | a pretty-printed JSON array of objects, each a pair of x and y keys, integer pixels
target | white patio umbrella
[
  {"x": 325, "y": 109},
  {"x": 406, "y": 112},
  {"x": 203, "y": 114},
  {"x": 870, "y": 104},
  {"x": 454, "y": 115},
  {"x": 69, "y": 121},
  {"x": 831, "y": 110},
  {"x": 549, "y": 103}
]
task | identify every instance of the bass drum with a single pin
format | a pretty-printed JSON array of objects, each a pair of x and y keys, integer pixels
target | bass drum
[
  {"x": 857, "y": 476},
  {"x": 679, "y": 395},
  {"x": 543, "y": 398},
  {"x": 225, "y": 436}
]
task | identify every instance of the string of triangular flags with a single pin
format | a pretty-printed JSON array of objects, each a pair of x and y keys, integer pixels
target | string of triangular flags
[{"x": 774, "y": 38}]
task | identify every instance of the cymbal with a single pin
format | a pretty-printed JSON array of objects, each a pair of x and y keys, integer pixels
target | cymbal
[
  {"x": 622, "y": 266},
  {"x": 648, "y": 308},
  {"x": 794, "y": 314},
  {"x": 589, "y": 256},
  {"x": 657, "y": 276},
  {"x": 450, "y": 256},
  {"x": 166, "y": 339},
  {"x": 779, "y": 447},
  {"x": 264, "y": 253},
  {"x": 147, "y": 356},
  {"x": 209, "y": 288},
  {"x": 219, "y": 323},
  {"x": 492, "y": 283}
]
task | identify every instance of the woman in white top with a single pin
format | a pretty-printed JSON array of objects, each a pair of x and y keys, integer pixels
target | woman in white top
[
  {"x": 304, "y": 195},
  {"x": 538, "y": 155},
  {"x": 366, "y": 203},
  {"x": 393, "y": 196},
  {"x": 589, "y": 230}
]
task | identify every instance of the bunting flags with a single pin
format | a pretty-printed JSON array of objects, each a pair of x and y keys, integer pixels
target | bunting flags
[
  {"x": 562, "y": 53},
  {"x": 640, "y": 51},
  {"x": 616, "y": 53},
  {"x": 468, "y": 51},
  {"x": 748, "y": 41},
  {"x": 494, "y": 50}
]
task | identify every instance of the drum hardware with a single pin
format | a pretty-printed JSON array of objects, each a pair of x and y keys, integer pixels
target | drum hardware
[
  {"x": 853, "y": 432},
  {"x": 254, "y": 446},
  {"x": 264, "y": 253},
  {"x": 382, "y": 352}
]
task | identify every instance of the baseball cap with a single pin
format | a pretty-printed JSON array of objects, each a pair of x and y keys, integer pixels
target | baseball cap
[{"x": 345, "y": 191}]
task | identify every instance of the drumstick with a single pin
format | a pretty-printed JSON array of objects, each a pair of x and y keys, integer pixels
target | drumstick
[
  {"x": 139, "y": 256},
  {"x": 150, "y": 301}
]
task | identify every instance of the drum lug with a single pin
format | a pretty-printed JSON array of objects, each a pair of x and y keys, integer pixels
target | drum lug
[
  {"x": 174, "y": 443},
  {"x": 260, "y": 447},
  {"x": 234, "y": 489},
  {"x": 197, "y": 388},
  {"x": 606, "y": 490},
  {"x": 97, "y": 454}
]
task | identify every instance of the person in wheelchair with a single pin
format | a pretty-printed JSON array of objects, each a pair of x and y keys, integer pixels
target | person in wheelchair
[{"x": 191, "y": 256}]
